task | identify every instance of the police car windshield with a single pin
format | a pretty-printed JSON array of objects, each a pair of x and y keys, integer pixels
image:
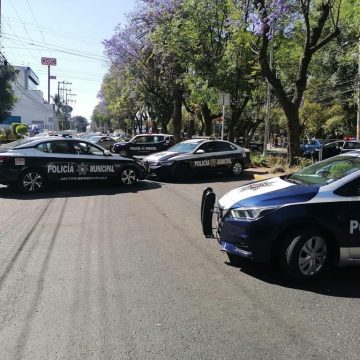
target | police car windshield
[
  {"x": 183, "y": 147},
  {"x": 327, "y": 171}
]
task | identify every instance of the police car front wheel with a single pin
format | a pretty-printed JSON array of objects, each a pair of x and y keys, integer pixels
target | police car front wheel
[
  {"x": 128, "y": 176},
  {"x": 31, "y": 181},
  {"x": 304, "y": 254}
]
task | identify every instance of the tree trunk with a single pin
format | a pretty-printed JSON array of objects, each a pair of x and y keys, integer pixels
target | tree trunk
[
  {"x": 201, "y": 120},
  {"x": 177, "y": 115},
  {"x": 206, "y": 114}
]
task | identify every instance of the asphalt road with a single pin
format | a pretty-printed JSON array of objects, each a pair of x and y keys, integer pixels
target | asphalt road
[{"x": 111, "y": 273}]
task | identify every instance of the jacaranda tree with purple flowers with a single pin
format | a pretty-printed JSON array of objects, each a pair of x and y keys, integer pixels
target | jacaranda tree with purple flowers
[{"x": 319, "y": 23}]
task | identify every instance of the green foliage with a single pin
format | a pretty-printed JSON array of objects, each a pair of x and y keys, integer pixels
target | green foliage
[
  {"x": 14, "y": 126},
  {"x": 7, "y": 95},
  {"x": 21, "y": 129}
]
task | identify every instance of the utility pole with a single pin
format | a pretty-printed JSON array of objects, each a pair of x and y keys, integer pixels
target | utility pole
[
  {"x": 62, "y": 99},
  {"x": 268, "y": 101}
]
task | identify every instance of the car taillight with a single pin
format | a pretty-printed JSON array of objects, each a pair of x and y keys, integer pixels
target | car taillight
[{"x": 2, "y": 159}]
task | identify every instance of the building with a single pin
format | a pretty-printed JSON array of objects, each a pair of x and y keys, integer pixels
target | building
[{"x": 31, "y": 108}]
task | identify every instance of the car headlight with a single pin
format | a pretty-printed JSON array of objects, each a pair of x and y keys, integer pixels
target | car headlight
[{"x": 251, "y": 213}]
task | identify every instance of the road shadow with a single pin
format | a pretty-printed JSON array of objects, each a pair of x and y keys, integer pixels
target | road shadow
[
  {"x": 208, "y": 179},
  {"x": 337, "y": 282},
  {"x": 78, "y": 190}
]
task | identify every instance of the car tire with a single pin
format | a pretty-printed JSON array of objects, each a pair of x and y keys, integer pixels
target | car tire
[
  {"x": 31, "y": 181},
  {"x": 123, "y": 153},
  {"x": 304, "y": 254},
  {"x": 128, "y": 176},
  {"x": 237, "y": 168},
  {"x": 182, "y": 172}
]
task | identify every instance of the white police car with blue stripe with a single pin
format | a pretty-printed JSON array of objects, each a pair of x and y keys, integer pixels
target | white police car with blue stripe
[{"x": 305, "y": 221}]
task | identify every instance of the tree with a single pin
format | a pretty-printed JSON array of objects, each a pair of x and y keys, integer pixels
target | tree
[
  {"x": 7, "y": 96},
  {"x": 80, "y": 123},
  {"x": 319, "y": 21}
]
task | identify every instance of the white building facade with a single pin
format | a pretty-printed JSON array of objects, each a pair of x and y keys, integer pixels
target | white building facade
[{"x": 31, "y": 108}]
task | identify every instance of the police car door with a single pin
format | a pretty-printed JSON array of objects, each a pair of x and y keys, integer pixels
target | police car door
[
  {"x": 60, "y": 159},
  {"x": 150, "y": 145},
  {"x": 224, "y": 152},
  {"x": 203, "y": 159},
  {"x": 92, "y": 163},
  {"x": 350, "y": 213}
]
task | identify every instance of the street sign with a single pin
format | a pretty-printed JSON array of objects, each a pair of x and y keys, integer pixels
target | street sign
[
  {"x": 224, "y": 99},
  {"x": 48, "y": 61},
  {"x": 53, "y": 77},
  {"x": 66, "y": 109}
]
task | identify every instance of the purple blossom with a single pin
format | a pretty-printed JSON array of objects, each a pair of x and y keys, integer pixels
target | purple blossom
[{"x": 275, "y": 15}]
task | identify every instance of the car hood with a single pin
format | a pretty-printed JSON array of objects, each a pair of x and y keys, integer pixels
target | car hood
[
  {"x": 270, "y": 192},
  {"x": 162, "y": 156}
]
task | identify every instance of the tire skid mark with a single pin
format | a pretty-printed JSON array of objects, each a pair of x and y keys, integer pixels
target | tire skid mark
[
  {"x": 22, "y": 244},
  {"x": 25, "y": 332}
]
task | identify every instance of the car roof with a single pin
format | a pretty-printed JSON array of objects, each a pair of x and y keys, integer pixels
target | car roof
[
  {"x": 46, "y": 139},
  {"x": 153, "y": 135}
]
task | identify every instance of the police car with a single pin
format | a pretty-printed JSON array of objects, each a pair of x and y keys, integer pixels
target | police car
[
  {"x": 31, "y": 165},
  {"x": 195, "y": 156},
  {"x": 143, "y": 144},
  {"x": 305, "y": 221}
]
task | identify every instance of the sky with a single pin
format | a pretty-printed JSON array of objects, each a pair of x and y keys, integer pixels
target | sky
[{"x": 71, "y": 31}]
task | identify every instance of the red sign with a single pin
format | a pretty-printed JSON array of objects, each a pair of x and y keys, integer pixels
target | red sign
[{"x": 48, "y": 61}]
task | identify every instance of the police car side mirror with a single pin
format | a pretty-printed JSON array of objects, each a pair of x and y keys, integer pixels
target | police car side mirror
[{"x": 200, "y": 151}]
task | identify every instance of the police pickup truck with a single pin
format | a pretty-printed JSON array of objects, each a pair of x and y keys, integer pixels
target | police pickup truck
[{"x": 305, "y": 221}]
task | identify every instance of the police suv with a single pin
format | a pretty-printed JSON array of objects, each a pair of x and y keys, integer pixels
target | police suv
[
  {"x": 34, "y": 163},
  {"x": 305, "y": 221},
  {"x": 143, "y": 144},
  {"x": 195, "y": 156}
]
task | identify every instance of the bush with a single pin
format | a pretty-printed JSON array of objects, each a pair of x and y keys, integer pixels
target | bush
[
  {"x": 21, "y": 130},
  {"x": 277, "y": 164}
]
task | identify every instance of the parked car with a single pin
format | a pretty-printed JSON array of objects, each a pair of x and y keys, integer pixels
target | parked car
[
  {"x": 106, "y": 142},
  {"x": 144, "y": 144},
  {"x": 335, "y": 148},
  {"x": 32, "y": 165},
  {"x": 307, "y": 147}
]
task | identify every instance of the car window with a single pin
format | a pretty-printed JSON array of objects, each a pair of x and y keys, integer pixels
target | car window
[
  {"x": 222, "y": 146},
  {"x": 327, "y": 171},
  {"x": 351, "y": 145},
  {"x": 157, "y": 138},
  {"x": 61, "y": 147},
  {"x": 140, "y": 140},
  {"x": 44, "y": 147},
  {"x": 350, "y": 189},
  {"x": 208, "y": 147},
  {"x": 83, "y": 148}
]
